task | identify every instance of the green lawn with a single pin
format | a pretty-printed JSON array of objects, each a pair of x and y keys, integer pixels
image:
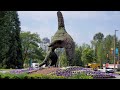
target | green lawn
[
  {"x": 118, "y": 72},
  {"x": 6, "y": 69}
]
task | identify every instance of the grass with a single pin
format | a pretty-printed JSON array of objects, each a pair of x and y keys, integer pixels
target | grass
[
  {"x": 29, "y": 76},
  {"x": 118, "y": 72},
  {"x": 6, "y": 69},
  {"x": 9, "y": 69}
]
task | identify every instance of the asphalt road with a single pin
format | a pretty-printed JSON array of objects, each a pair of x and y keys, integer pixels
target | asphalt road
[{"x": 117, "y": 77}]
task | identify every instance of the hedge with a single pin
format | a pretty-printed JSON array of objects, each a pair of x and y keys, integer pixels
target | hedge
[
  {"x": 41, "y": 76},
  {"x": 28, "y": 76}
]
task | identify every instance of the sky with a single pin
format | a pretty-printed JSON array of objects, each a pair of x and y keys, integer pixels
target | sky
[{"x": 81, "y": 25}]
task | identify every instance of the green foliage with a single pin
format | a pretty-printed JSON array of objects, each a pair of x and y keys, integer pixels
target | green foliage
[
  {"x": 10, "y": 44},
  {"x": 63, "y": 60},
  {"x": 108, "y": 44},
  {"x": 60, "y": 35},
  {"x": 98, "y": 46},
  {"x": 4, "y": 35},
  {"x": 78, "y": 54},
  {"x": 98, "y": 36},
  {"x": 81, "y": 76},
  {"x": 103, "y": 47},
  {"x": 42, "y": 76},
  {"x": 100, "y": 53},
  {"x": 29, "y": 76},
  {"x": 30, "y": 47},
  {"x": 17, "y": 48},
  {"x": 12, "y": 76},
  {"x": 87, "y": 54}
]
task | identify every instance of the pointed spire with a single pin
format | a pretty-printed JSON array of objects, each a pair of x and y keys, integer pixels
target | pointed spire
[{"x": 60, "y": 20}]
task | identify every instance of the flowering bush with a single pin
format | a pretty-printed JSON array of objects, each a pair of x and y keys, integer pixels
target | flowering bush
[
  {"x": 41, "y": 76},
  {"x": 80, "y": 76},
  {"x": 77, "y": 71},
  {"x": 74, "y": 72}
]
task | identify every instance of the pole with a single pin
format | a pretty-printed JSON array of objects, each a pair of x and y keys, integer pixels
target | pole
[
  {"x": 115, "y": 49},
  {"x": 118, "y": 57}
]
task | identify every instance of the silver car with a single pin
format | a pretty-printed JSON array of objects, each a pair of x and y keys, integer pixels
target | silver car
[{"x": 109, "y": 70}]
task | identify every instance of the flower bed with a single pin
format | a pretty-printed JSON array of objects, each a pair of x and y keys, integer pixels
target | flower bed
[
  {"x": 78, "y": 70},
  {"x": 67, "y": 72},
  {"x": 20, "y": 71}
]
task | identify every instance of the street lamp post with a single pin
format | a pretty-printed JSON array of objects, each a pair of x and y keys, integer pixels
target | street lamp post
[{"x": 115, "y": 49}]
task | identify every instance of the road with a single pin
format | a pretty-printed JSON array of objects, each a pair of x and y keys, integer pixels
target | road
[{"x": 117, "y": 77}]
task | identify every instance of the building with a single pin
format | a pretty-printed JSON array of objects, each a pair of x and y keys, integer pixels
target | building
[{"x": 44, "y": 44}]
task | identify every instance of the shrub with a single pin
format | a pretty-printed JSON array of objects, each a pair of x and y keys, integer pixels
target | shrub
[
  {"x": 41, "y": 76},
  {"x": 81, "y": 76},
  {"x": 28, "y": 76},
  {"x": 12, "y": 76}
]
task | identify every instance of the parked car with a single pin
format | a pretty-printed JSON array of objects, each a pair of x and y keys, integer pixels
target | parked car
[
  {"x": 35, "y": 65},
  {"x": 109, "y": 70}
]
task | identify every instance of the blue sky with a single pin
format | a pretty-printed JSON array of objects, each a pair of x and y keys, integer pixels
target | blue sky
[{"x": 81, "y": 25}]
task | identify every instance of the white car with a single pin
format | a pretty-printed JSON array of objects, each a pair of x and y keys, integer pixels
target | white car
[
  {"x": 109, "y": 70},
  {"x": 35, "y": 65}
]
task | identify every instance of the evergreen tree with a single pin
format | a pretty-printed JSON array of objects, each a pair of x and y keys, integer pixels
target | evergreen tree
[
  {"x": 10, "y": 43},
  {"x": 4, "y": 36},
  {"x": 18, "y": 41},
  {"x": 15, "y": 51},
  {"x": 78, "y": 54}
]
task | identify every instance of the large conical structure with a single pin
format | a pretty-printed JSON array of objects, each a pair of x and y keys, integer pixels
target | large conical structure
[
  {"x": 61, "y": 39},
  {"x": 61, "y": 33}
]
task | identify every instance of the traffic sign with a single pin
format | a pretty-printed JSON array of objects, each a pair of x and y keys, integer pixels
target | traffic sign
[{"x": 116, "y": 51}]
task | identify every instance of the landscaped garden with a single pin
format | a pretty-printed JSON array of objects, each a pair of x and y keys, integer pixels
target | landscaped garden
[
  {"x": 21, "y": 49},
  {"x": 74, "y": 72}
]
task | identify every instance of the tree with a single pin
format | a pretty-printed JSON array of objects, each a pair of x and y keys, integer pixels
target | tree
[
  {"x": 108, "y": 48},
  {"x": 100, "y": 53},
  {"x": 14, "y": 55},
  {"x": 98, "y": 37},
  {"x": 3, "y": 36},
  {"x": 97, "y": 45},
  {"x": 30, "y": 47},
  {"x": 11, "y": 56},
  {"x": 62, "y": 57},
  {"x": 18, "y": 39},
  {"x": 87, "y": 54},
  {"x": 78, "y": 54},
  {"x": 59, "y": 52},
  {"x": 63, "y": 60}
]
